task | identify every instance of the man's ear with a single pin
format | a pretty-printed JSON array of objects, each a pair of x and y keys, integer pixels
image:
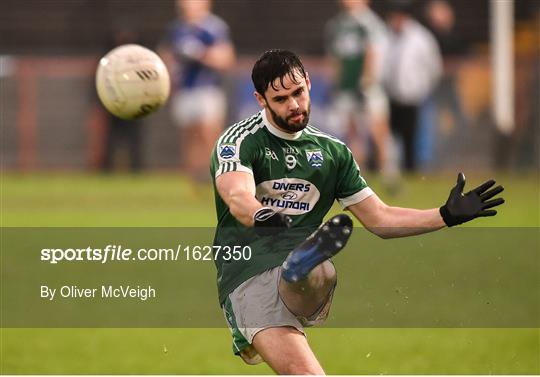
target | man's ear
[
  {"x": 308, "y": 81},
  {"x": 260, "y": 99}
]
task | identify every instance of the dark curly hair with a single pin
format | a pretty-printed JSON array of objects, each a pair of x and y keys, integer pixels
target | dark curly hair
[{"x": 276, "y": 64}]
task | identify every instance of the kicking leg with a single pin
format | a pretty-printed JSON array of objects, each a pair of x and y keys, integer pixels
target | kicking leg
[
  {"x": 308, "y": 277},
  {"x": 305, "y": 297}
]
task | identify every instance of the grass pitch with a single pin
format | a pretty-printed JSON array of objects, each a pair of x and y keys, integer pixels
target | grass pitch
[{"x": 61, "y": 200}]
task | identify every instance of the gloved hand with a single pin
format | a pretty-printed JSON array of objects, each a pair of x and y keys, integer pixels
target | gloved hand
[
  {"x": 460, "y": 208},
  {"x": 268, "y": 222}
]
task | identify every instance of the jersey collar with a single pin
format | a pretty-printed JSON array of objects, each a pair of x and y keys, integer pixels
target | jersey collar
[{"x": 276, "y": 131}]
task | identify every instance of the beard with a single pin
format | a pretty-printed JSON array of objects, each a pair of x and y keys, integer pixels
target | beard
[{"x": 286, "y": 124}]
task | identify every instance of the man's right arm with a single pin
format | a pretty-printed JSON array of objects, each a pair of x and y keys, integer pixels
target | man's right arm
[{"x": 237, "y": 189}]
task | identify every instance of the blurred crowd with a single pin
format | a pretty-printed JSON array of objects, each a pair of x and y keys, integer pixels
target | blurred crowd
[
  {"x": 385, "y": 80},
  {"x": 392, "y": 80},
  {"x": 384, "y": 73}
]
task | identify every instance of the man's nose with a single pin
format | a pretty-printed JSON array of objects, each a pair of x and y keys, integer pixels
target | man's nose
[{"x": 293, "y": 104}]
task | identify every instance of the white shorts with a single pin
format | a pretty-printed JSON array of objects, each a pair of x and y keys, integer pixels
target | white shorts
[
  {"x": 256, "y": 305},
  {"x": 344, "y": 108},
  {"x": 377, "y": 102},
  {"x": 199, "y": 104}
]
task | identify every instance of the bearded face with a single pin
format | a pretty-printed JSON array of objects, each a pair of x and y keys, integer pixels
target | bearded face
[{"x": 287, "y": 101}]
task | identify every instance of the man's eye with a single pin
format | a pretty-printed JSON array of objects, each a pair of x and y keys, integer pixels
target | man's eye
[
  {"x": 280, "y": 100},
  {"x": 298, "y": 92}
]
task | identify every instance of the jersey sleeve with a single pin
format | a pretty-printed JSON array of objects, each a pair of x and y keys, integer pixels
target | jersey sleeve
[
  {"x": 234, "y": 156},
  {"x": 351, "y": 187}
]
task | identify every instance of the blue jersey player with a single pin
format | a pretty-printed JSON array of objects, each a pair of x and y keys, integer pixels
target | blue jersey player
[{"x": 199, "y": 49}]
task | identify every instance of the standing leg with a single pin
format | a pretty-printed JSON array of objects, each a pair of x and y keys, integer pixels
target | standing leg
[
  {"x": 111, "y": 144},
  {"x": 409, "y": 119},
  {"x": 354, "y": 139},
  {"x": 189, "y": 151},
  {"x": 396, "y": 124},
  {"x": 134, "y": 146},
  {"x": 209, "y": 131},
  {"x": 264, "y": 329},
  {"x": 286, "y": 351},
  {"x": 381, "y": 135}
]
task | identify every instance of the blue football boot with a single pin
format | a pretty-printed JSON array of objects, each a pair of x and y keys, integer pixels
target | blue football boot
[{"x": 321, "y": 245}]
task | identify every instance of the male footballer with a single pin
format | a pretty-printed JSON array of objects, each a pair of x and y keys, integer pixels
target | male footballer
[{"x": 276, "y": 177}]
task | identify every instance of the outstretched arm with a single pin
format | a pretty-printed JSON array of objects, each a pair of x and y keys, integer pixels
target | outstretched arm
[{"x": 390, "y": 222}]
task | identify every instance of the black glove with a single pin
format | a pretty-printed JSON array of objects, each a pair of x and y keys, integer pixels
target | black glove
[
  {"x": 460, "y": 208},
  {"x": 268, "y": 222}
]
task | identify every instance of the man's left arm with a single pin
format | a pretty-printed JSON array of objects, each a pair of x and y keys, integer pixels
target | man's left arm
[{"x": 391, "y": 222}]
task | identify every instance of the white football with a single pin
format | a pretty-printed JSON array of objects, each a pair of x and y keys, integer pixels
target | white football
[{"x": 132, "y": 81}]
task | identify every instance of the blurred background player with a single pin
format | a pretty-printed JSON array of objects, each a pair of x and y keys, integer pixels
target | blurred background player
[
  {"x": 356, "y": 41},
  {"x": 445, "y": 110},
  {"x": 120, "y": 135},
  {"x": 198, "y": 51},
  {"x": 412, "y": 71},
  {"x": 349, "y": 50}
]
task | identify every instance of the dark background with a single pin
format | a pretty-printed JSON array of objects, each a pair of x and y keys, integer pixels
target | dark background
[{"x": 83, "y": 26}]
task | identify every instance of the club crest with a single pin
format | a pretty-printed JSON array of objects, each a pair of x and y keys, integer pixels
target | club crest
[
  {"x": 227, "y": 151},
  {"x": 315, "y": 157}
]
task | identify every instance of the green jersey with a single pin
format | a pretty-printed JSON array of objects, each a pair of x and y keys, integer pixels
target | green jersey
[
  {"x": 347, "y": 40},
  {"x": 299, "y": 175}
]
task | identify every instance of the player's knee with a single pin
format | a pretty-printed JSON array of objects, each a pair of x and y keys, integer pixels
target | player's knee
[{"x": 323, "y": 276}]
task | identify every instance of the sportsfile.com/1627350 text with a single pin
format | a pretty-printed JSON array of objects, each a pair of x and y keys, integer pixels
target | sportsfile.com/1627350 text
[{"x": 117, "y": 253}]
